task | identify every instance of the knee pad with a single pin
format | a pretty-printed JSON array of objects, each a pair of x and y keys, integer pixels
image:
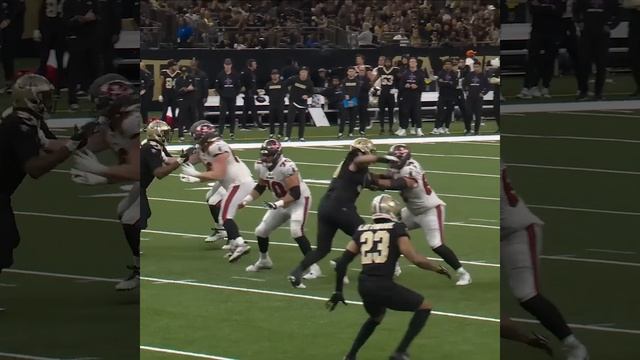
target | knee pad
[
  {"x": 296, "y": 228},
  {"x": 261, "y": 231}
]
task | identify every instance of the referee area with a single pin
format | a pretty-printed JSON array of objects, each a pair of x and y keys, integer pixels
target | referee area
[{"x": 575, "y": 165}]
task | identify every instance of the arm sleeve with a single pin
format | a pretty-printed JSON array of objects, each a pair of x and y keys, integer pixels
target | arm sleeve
[
  {"x": 25, "y": 143},
  {"x": 341, "y": 268}
]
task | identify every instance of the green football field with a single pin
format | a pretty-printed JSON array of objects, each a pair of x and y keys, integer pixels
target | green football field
[
  {"x": 579, "y": 172},
  {"x": 193, "y": 301}
]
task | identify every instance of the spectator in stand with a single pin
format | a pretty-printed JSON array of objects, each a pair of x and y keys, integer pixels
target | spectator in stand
[{"x": 365, "y": 38}]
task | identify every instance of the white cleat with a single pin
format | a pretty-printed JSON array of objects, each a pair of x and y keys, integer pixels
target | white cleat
[
  {"x": 435, "y": 131},
  {"x": 217, "y": 235},
  {"x": 535, "y": 92},
  {"x": 413, "y": 131},
  {"x": 238, "y": 252},
  {"x": 545, "y": 93},
  {"x": 261, "y": 264},
  {"x": 131, "y": 282},
  {"x": 464, "y": 279},
  {"x": 401, "y": 132},
  {"x": 444, "y": 130},
  {"x": 398, "y": 270},
  {"x": 313, "y": 273},
  {"x": 419, "y": 132},
  {"x": 577, "y": 353},
  {"x": 524, "y": 94}
]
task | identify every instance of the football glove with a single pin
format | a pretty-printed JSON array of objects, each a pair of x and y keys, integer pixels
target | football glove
[
  {"x": 189, "y": 179},
  {"x": 274, "y": 205},
  {"x": 85, "y": 178},
  {"x": 443, "y": 271},
  {"x": 190, "y": 170},
  {"x": 186, "y": 154},
  {"x": 87, "y": 161},
  {"x": 336, "y": 298},
  {"x": 540, "y": 342},
  {"x": 387, "y": 159},
  {"x": 81, "y": 135}
]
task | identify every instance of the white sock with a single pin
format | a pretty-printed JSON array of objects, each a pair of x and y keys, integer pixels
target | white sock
[
  {"x": 264, "y": 256},
  {"x": 572, "y": 341},
  {"x": 239, "y": 241},
  {"x": 136, "y": 261},
  {"x": 461, "y": 270}
]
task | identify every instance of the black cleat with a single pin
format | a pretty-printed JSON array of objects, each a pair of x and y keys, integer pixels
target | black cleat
[{"x": 295, "y": 278}]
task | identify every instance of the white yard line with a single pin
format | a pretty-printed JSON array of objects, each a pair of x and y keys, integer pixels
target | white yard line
[
  {"x": 183, "y": 353},
  {"x": 301, "y": 296},
  {"x": 600, "y": 114},
  {"x": 570, "y": 168},
  {"x": 597, "y": 211},
  {"x": 58, "y": 275},
  {"x": 202, "y": 236},
  {"x": 586, "y": 327},
  {"x": 579, "y": 138},
  {"x": 599, "y": 261},
  {"x": 412, "y": 153},
  {"x": 384, "y": 168},
  {"x": 569, "y": 106},
  {"x": 311, "y": 212},
  {"x": 612, "y": 251}
]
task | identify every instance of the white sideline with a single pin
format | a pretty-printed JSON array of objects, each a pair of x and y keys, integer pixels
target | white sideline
[
  {"x": 597, "y": 211},
  {"x": 183, "y": 353},
  {"x": 300, "y": 296},
  {"x": 200, "y": 236},
  {"x": 586, "y": 327},
  {"x": 580, "y": 138},
  {"x": 570, "y": 106},
  {"x": 389, "y": 141},
  {"x": 32, "y": 357}
]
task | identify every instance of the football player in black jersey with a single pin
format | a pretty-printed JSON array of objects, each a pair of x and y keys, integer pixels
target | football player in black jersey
[
  {"x": 169, "y": 97},
  {"x": 386, "y": 80},
  {"x": 27, "y": 147},
  {"x": 337, "y": 209},
  {"x": 380, "y": 245},
  {"x": 155, "y": 162}
]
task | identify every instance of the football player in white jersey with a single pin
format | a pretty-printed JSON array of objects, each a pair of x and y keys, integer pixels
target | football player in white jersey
[
  {"x": 120, "y": 119},
  {"x": 281, "y": 175},
  {"x": 214, "y": 197},
  {"x": 520, "y": 248},
  {"x": 423, "y": 208},
  {"x": 234, "y": 176}
]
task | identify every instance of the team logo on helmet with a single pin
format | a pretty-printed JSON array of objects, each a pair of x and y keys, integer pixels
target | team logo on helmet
[
  {"x": 159, "y": 131},
  {"x": 364, "y": 145},
  {"x": 270, "y": 152},
  {"x": 201, "y": 128},
  {"x": 402, "y": 152},
  {"x": 385, "y": 207}
]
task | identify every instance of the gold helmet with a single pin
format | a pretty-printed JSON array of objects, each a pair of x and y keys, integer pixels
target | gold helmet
[
  {"x": 33, "y": 92},
  {"x": 159, "y": 131},
  {"x": 385, "y": 207},
  {"x": 364, "y": 145}
]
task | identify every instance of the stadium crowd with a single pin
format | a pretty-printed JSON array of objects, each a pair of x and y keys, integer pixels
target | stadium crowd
[{"x": 273, "y": 24}]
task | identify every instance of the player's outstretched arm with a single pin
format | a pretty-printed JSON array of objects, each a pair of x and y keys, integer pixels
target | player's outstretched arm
[
  {"x": 218, "y": 171},
  {"x": 169, "y": 166},
  {"x": 368, "y": 159},
  {"x": 407, "y": 249},
  {"x": 394, "y": 184}
]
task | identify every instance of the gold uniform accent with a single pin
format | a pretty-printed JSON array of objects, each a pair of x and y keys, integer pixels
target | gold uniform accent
[{"x": 158, "y": 130}]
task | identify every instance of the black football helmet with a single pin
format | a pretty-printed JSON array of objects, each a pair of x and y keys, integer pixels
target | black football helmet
[
  {"x": 111, "y": 93},
  {"x": 402, "y": 152},
  {"x": 270, "y": 152}
]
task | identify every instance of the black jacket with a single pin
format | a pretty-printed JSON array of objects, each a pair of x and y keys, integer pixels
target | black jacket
[
  {"x": 182, "y": 83},
  {"x": 297, "y": 89},
  {"x": 409, "y": 77},
  {"x": 597, "y": 14},
  {"x": 476, "y": 84},
  {"x": 334, "y": 96},
  {"x": 547, "y": 14},
  {"x": 146, "y": 82},
  {"x": 8, "y": 9},
  {"x": 109, "y": 17},
  {"x": 447, "y": 82},
  {"x": 276, "y": 92},
  {"x": 228, "y": 85},
  {"x": 72, "y": 10},
  {"x": 201, "y": 81},
  {"x": 248, "y": 81},
  {"x": 351, "y": 87}
]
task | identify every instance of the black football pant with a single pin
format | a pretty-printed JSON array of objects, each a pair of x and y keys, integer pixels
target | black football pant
[
  {"x": 386, "y": 104},
  {"x": 187, "y": 115},
  {"x": 634, "y": 45},
  {"x": 106, "y": 55},
  {"x": 83, "y": 65},
  {"x": 444, "y": 111},
  {"x": 363, "y": 114},
  {"x": 276, "y": 114},
  {"x": 350, "y": 114},
  {"x": 570, "y": 43},
  {"x": 201, "y": 107},
  {"x": 145, "y": 104},
  {"x": 474, "y": 107},
  {"x": 299, "y": 114},
  {"x": 9, "y": 236},
  {"x": 249, "y": 107},
  {"x": 539, "y": 65},
  {"x": 594, "y": 48},
  {"x": 330, "y": 219},
  {"x": 227, "y": 108},
  {"x": 52, "y": 39},
  {"x": 9, "y": 38},
  {"x": 169, "y": 101},
  {"x": 409, "y": 108},
  {"x": 462, "y": 105}
]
